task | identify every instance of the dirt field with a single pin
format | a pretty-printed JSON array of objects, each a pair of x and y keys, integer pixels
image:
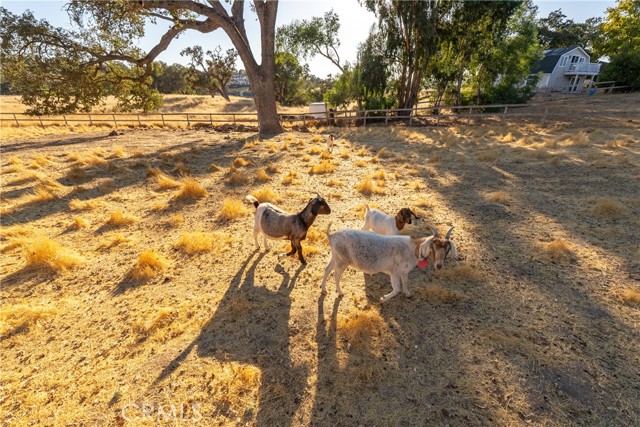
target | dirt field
[{"x": 115, "y": 312}]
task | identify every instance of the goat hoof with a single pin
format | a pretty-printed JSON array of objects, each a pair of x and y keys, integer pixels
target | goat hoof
[{"x": 408, "y": 294}]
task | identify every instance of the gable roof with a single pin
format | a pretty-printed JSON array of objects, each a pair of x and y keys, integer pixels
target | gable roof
[{"x": 551, "y": 58}]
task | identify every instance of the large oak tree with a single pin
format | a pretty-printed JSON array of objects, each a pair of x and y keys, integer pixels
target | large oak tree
[{"x": 106, "y": 34}]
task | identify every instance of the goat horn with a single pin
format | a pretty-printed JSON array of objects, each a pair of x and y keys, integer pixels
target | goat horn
[
  {"x": 449, "y": 233},
  {"x": 433, "y": 231}
]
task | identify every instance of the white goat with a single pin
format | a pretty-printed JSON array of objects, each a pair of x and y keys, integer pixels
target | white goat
[
  {"x": 374, "y": 253},
  {"x": 330, "y": 142},
  {"x": 381, "y": 223}
]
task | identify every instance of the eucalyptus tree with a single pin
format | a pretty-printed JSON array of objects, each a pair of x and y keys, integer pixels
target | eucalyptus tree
[{"x": 106, "y": 32}]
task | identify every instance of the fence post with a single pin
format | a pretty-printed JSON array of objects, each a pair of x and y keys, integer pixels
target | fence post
[
  {"x": 188, "y": 122},
  {"x": 210, "y": 119},
  {"x": 544, "y": 116},
  {"x": 234, "y": 119},
  {"x": 65, "y": 120},
  {"x": 138, "y": 116},
  {"x": 437, "y": 117},
  {"x": 506, "y": 108},
  {"x": 162, "y": 115},
  {"x": 90, "y": 120},
  {"x": 364, "y": 122},
  {"x": 16, "y": 119},
  {"x": 386, "y": 117},
  {"x": 304, "y": 121},
  {"x": 41, "y": 124},
  {"x": 469, "y": 115},
  {"x": 411, "y": 117},
  {"x": 115, "y": 122}
]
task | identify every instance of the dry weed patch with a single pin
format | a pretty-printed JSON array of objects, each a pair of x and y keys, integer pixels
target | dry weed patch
[
  {"x": 232, "y": 209},
  {"x": 345, "y": 154},
  {"x": 240, "y": 162},
  {"x": 42, "y": 194},
  {"x": 557, "y": 251},
  {"x": 262, "y": 176},
  {"x": 498, "y": 197},
  {"x": 629, "y": 295},
  {"x": 314, "y": 151},
  {"x": 195, "y": 242},
  {"x": 83, "y": 205},
  {"x": 367, "y": 187},
  {"x": 41, "y": 251},
  {"x": 79, "y": 222},
  {"x": 359, "y": 328},
  {"x": 235, "y": 177},
  {"x": 165, "y": 182},
  {"x": 191, "y": 189},
  {"x": 114, "y": 240},
  {"x": 435, "y": 293},
  {"x": 148, "y": 265},
  {"x": 289, "y": 178},
  {"x": 461, "y": 272},
  {"x": 322, "y": 168},
  {"x": 215, "y": 168},
  {"x": 579, "y": 139},
  {"x": 607, "y": 207},
  {"x": 118, "y": 153},
  {"x": 119, "y": 218},
  {"x": 19, "y": 318},
  {"x": 266, "y": 195},
  {"x": 175, "y": 220}
]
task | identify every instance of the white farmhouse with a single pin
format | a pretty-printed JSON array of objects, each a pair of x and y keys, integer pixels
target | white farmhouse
[{"x": 565, "y": 69}]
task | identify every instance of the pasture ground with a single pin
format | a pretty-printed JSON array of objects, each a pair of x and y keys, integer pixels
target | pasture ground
[{"x": 114, "y": 312}]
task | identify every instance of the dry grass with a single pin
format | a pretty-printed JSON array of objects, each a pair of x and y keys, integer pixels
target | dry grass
[
  {"x": 232, "y": 209},
  {"x": 488, "y": 155},
  {"x": 498, "y": 197},
  {"x": 119, "y": 218},
  {"x": 266, "y": 195},
  {"x": 290, "y": 178},
  {"x": 190, "y": 190},
  {"x": 118, "y": 152},
  {"x": 20, "y": 318},
  {"x": 215, "y": 168},
  {"x": 262, "y": 176},
  {"x": 235, "y": 177},
  {"x": 345, "y": 154},
  {"x": 42, "y": 194},
  {"x": 461, "y": 272},
  {"x": 76, "y": 205},
  {"x": 149, "y": 264},
  {"x": 79, "y": 222},
  {"x": 556, "y": 251},
  {"x": 322, "y": 168},
  {"x": 368, "y": 187},
  {"x": 240, "y": 162},
  {"x": 607, "y": 207},
  {"x": 629, "y": 295},
  {"x": 175, "y": 220},
  {"x": 359, "y": 327},
  {"x": 580, "y": 139},
  {"x": 195, "y": 242},
  {"x": 114, "y": 240},
  {"x": 165, "y": 182},
  {"x": 41, "y": 251}
]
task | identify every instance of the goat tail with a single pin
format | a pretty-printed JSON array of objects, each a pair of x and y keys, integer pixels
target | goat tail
[
  {"x": 366, "y": 206},
  {"x": 253, "y": 200},
  {"x": 329, "y": 230}
]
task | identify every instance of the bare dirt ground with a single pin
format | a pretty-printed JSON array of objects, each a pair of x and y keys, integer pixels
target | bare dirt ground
[{"x": 536, "y": 323}]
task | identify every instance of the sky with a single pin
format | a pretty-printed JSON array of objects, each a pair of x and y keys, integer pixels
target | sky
[{"x": 355, "y": 24}]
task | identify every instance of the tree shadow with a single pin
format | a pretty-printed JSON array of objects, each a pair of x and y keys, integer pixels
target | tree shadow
[{"x": 251, "y": 326}]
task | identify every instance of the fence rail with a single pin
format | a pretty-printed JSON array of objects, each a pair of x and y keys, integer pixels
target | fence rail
[{"x": 418, "y": 116}]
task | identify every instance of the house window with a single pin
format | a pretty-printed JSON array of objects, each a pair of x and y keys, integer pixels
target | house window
[
  {"x": 574, "y": 59},
  {"x": 563, "y": 61}
]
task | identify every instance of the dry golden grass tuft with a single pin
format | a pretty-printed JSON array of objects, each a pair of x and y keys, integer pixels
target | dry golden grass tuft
[
  {"x": 498, "y": 197},
  {"x": 367, "y": 187},
  {"x": 165, "y": 182},
  {"x": 345, "y": 154},
  {"x": 195, "y": 242},
  {"x": 435, "y": 293},
  {"x": 119, "y": 218},
  {"x": 314, "y": 150},
  {"x": 181, "y": 169},
  {"x": 326, "y": 155},
  {"x": 262, "y": 176},
  {"x": 41, "y": 251},
  {"x": 19, "y": 318},
  {"x": 334, "y": 183},
  {"x": 235, "y": 177},
  {"x": 118, "y": 152},
  {"x": 322, "y": 168},
  {"x": 580, "y": 139},
  {"x": 232, "y": 209},
  {"x": 461, "y": 272},
  {"x": 76, "y": 205},
  {"x": 175, "y": 220},
  {"x": 191, "y": 189},
  {"x": 556, "y": 250},
  {"x": 79, "y": 222},
  {"x": 383, "y": 153},
  {"x": 629, "y": 295},
  {"x": 114, "y": 240},
  {"x": 273, "y": 168},
  {"x": 607, "y": 207},
  {"x": 149, "y": 264},
  {"x": 488, "y": 155},
  {"x": 361, "y": 163},
  {"x": 306, "y": 158},
  {"x": 240, "y": 162},
  {"x": 40, "y": 161},
  {"x": 620, "y": 142},
  {"x": 77, "y": 173},
  {"x": 266, "y": 195},
  {"x": 507, "y": 137},
  {"x": 317, "y": 138},
  {"x": 359, "y": 327},
  {"x": 42, "y": 193},
  {"x": 362, "y": 152},
  {"x": 289, "y": 178}
]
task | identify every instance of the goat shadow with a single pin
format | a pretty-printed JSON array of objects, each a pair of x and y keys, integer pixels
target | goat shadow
[{"x": 251, "y": 326}]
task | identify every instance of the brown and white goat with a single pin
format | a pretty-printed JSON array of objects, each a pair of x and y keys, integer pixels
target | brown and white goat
[
  {"x": 275, "y": 224},
  {"x": 381, "y": 223}
]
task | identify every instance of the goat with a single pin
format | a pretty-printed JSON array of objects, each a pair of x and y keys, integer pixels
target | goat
[
  {"x": 374, "y": 253},
  {"x": 330, "y": 143},
  {"x": 276, "y": 224},
  {"x": 381, "y": 223}
]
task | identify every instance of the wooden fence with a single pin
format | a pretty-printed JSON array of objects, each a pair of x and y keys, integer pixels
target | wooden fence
[{"x": 423, "y": 116}]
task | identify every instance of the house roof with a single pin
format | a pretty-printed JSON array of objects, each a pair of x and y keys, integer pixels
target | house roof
[{"x": 550, "y": 59}]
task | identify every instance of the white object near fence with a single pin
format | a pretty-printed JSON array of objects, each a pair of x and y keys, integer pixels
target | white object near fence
[{"x": 318, "y": 110}]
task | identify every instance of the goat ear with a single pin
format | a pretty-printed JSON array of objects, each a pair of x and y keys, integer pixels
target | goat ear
[
  {"x": 453, "y": 249},
  {"x": 425, "y": 247}
]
